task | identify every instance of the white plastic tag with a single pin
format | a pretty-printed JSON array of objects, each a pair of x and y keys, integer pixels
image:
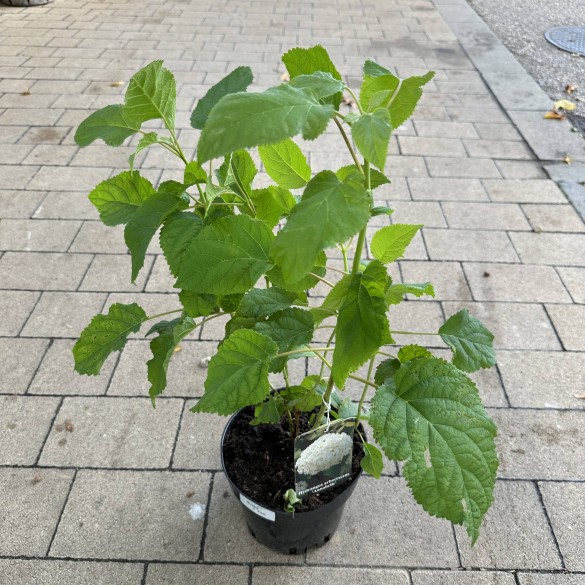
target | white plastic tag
[{"x": 257, "y": 509}]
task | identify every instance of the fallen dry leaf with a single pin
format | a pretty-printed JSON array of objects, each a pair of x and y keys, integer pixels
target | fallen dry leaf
[
  {"x": 570, "y": 88},
  {"x": 568, "y": 160},
  {"x": 348, "y": 102},
  {"x": 178, "y": 348},
  {"x": 285, "y": 77},
  {"x": 25, "y": 92},
  {"x": 117, "y": 84},
  {"x": 564, "y": 105},
  {"x": 579, "y": 396},
  {"x": 553, "y": 115}
]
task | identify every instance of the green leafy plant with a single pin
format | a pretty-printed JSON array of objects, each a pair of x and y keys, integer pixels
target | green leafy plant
[{"x": 254, "y": 255}]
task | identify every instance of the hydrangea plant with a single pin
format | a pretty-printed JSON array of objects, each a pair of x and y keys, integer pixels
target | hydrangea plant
[{"x": 254, "y": 254}]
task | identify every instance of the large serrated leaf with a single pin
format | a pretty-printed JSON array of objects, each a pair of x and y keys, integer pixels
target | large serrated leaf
[
  {"x": 322, "y": 85},
  {"x": 244, "y": 120},
  {"x": 179, "y": 230},
  {"x": 238, "y": 373},
  {"x": 362, "y": 325},
  {"x": 372, "y": 461},
  {"x": 376, "y": 177},
  {"x": 106, "y": 334},
  {"x": 371, "y": 133},
  {"x": 144, "y": 223},
  {"x": 286, "y": 164},
  {"x": 151, "y": 95},
  {"x": 430, "y": 415},
  {"x": 329, "y": 212},
  {"x": 227, "y": 257},
  {"x": 390, "y": 242},
  {"x": 170, "y": 334},
  {"x": 290, "y": 328},
  {"x": 118, "y": 198},
  {"x": 272, "y": 203},
  {"x": 263, "y": 302},
  {"x": 238, "y": 80},
  {"x": 111, "y": 124},
  {"x": 198, "y": 305},
  {"x": 396, "y": 292},
  {"x": 470, "y": 340}
]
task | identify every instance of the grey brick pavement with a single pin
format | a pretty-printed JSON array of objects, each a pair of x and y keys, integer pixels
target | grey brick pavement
[{"x": 96, "y": 487}]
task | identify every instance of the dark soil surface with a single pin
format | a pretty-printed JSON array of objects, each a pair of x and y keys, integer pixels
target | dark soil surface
[{"x": 260, "y": 461}]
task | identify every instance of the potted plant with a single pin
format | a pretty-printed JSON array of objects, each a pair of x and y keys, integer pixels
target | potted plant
[{"x": 255, "y": 254}]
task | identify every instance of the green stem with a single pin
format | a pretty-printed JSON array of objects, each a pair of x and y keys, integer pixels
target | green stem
[
  {"x": 349, "y": 146},
  {"x": 321, "y": 279},
  {"x": 362, "y": 236},
  {"x": 363, "y": 380},
  {"x": 357, "y": 102},
  {"x": 324, "y": 402},
  {"x": 305, "y": 350},
  {"x": 163, "y": 314},
  {"x": 364, "y": 392},
  {"x": 413, "y": 333},
  {"x": 324, "y": 362}
]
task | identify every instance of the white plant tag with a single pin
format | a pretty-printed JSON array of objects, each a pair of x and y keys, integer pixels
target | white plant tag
[
  {"x": 323, "y": 457},
  {"x": 258, "y": 509}
]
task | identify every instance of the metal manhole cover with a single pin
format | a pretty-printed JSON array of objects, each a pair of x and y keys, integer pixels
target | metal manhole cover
[{"x": 568, "y": 38}]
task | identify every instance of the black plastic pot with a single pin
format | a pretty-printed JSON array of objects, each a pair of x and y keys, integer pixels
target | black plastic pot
[{"x": 283, "y": 531}]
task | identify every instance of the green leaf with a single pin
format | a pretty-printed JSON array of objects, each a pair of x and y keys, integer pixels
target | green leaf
[
  {"x": 410, "y": 352},
  {"x": 118, "y": 198},
  {"x": 300, "y": 287},
  {"x": 386, "y": 369},
  {"x": 470, "y": 340},
  {"x": 170, "y": 334},
  {"x": 238, "y": 80},
  {"x": 329, "y": 212},
  {"x": 146, "y": 141},
  {"x": 285, "y": 163},
  {"x": 301, "y": 61},
  {"x": 238, "y": 373},
  {"x": 272, "y": 203},
  {"x": 144, "y": 223},
  {"x": 237, "y": 173},
  {"x": 349, "y": 409},
  {"x": 179, "y": 230},
  {"x": 362, "y": 325},
  {"x": 290, "y": 328},
  {"x": 396, "y": 292},
  {"x": 151, "y": 95},
  {"x": 381, "y": 210},
  {"x": 322, "y": 85},
  {"x": 104, "y": 335},
  {"x": 111, "y": 124},
  {"x": 260, "y": 302},
  {"x": 243, "y": 120},
  {"x": 374, "y": 70},
  {"x": 194, "y": 174},
  {"x": 430, "y": 415},
  {"x": 334, "y": 300},
  {"x": 376, "y": 177},
  {"x": 399, "y": 96},
  {"x": 390, "y": 242},
  {"x": 302, "y": 398},
  {"x": 198, "y": 305},
  {"x": 371, "y": 133},
  {"x": 269, "y": 412},
  {"x": 227, "y": 257},
  {"x": 372, "y": 462}
]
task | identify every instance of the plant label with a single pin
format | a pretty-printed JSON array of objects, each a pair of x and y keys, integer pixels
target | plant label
[{"x": 323, "y": 457}]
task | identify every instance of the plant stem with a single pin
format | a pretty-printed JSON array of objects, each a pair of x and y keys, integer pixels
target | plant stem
[
  {"x": 349, "y": 146},
  {"x": 363, "y": 380},
  {"x": 324, "y": 362},
  {"x": 364, "y": 392},
  {"x": 164, "y": 314},
  {"x": 321, "y": 279},
  {"x": 304, "y": 350},
  {"x": 324, "y": 402},
  {"x": 357, "y": 102},
  {"x": 413, "y": 333}
]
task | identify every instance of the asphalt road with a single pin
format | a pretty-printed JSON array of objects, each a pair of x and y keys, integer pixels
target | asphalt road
[{"x": 520, "y": 25}]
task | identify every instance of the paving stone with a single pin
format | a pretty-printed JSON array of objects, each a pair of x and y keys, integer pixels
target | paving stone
[
  {"x": 198, "y": 443},
  {"x": 19, "y": 204},
  {"x": 447, "y": 277},
  {"x": 57, "y": 376},
  {"x": 44, "y": 135},
  {"x": 543, "y": 248},
  {"x": 485, "y": 216},
  {"x": 414, "y": 145},
  {"x": 562, "y": 500},
  {"x": 169, "y": 574},
  {"x": 554, "y": 218},
  {"x": 445, "y": 129},
  {"x": 15, "y": 307},
  {"x": 520, "y": 169},
  {"x": 276, "y": 576},
  {"x": 43, "y": 271},
  {"x": 462, "y": 578},
  {"x": 574, "y": 280},
  {"x": 447, "y": 189},
  {"x": 550, "y": 579},
  {"x": 407, "y": 166},
  {"x": 421, "y": 316},
  {"x": 185, "y": 377},
  {"x": 496, "y": 131},
  {"x": 109, "y": 272},
  {"x": 66, "y": 205},
  {"x": 569, "y": 321},
  {"x": 540, "y": 443},
  {"x": 160, "y": 278},
  {"x": 21, "y": 359},
  {"x": 107, "y": 509},
  {"x": 100, "y": 155},
  {"x": 480, "y": 168},
  {"x": 476, "y": 114},
  {"x": 96, "y": 238},
  {"x": 68, "y": 178},
  {"x": 393, "y": 532},
  {"x": 515, "y": 521},
  {"x": 572, "y": 173},
  {"x": 37, "y": 235},
  {"x": 543, "y": 379},
  {"x": 113, "y": 432},
  {"x": 24, "y": 423},
  {"x": 470, "y": 245},
  {"x": 32, "y": 501},
  {"x": 524, "y": 191},
  {"x": 52, "y": 572},
  {"x": 416, "y": 212},
  {"x": 63, "y": 314},
  {"x": 515, "y": 283},
  {"x": 45, "y": 154},
  {"x": 498, "y": 149}
]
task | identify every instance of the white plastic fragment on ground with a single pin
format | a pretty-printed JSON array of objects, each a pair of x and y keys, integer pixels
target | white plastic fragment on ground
[{"x": 197, "y": 511}]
